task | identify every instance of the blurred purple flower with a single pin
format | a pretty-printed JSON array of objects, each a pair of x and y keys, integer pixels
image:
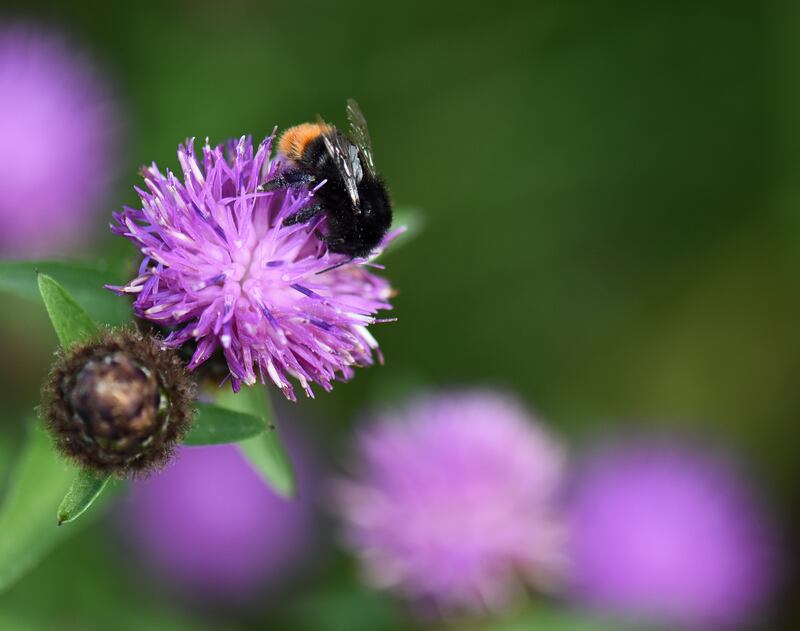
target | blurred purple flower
[
  {"x": 219, "y": 262},
  {"x": 453, "y": 501},
  {"x": 58, "y": 126},
  {"x": 209, "y": 526},
  {"x": 671, "y": 535}
]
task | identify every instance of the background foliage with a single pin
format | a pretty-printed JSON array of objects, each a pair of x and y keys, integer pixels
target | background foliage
[{"x": 611, "y": 203}]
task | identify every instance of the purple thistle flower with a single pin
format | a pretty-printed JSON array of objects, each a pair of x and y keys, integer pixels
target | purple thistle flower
[
  {"x": 209, "y": 526},
  {"x": 219, "y": 264},
  {"x": 58, "y": 126},
  {"x": 453, "y": 503},
  {"x": 667, "y": 534}
]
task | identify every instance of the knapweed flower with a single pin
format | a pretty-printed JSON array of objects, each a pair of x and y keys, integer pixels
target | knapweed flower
[
  {"x": 453, "y": 501},
  {"x": 58, "y": 125},
  {"x": 221, "y": 267},
  {"x": 210, "y": 528},
  {"x": 118, "y": 404},
  {"x": 666, "y": 534}
]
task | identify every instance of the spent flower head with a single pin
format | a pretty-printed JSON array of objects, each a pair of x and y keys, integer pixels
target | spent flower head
[
  {"x": 118, "y": 404},
  {"x": 668, "y": 534},
  {"x": 221, "y": 268},
  {"x": 453, "y": 501}
]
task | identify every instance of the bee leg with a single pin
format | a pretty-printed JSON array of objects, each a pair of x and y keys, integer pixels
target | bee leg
[
  {"x": 288, "y": 179},
  {"x": 328, "y": 240},
  {"x": 322, "y": 237},
  {"x": 304, "y": 215}
]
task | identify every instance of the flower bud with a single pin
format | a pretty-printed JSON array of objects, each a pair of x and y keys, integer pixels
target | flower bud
[{"x": 118, "y": 404}]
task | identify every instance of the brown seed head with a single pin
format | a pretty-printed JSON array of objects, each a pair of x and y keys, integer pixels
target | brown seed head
[{"x": 118, "y": 404}]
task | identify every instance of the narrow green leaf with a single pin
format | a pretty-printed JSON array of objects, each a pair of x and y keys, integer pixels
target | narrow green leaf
[
  {"x": 71, "y": 322},
  {"x": 85, "y": 489},
  {"x": 84, "y": 281},
  {"x": 268, "y": 456},
  {"x": 214, "y": 425},
  {"x": 27, "y": 528},
  {"x": 265, "y": 452}
]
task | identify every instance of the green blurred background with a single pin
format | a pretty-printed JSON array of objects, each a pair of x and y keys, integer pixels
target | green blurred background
[{"x": 611, "y": 209}]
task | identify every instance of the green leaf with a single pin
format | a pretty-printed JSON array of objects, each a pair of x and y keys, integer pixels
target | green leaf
[
  {"x": 83, "y": 280},
  {"x": 214, "y": 425},
  {"x": 85, "y": 489},
  {"x": 71, "y": 322},
  {"x": 265, "y": 452},
  {"x": 27, "y": 528}
]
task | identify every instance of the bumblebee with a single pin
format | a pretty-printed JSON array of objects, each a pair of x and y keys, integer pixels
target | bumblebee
[{"x": 354, "y": 198}]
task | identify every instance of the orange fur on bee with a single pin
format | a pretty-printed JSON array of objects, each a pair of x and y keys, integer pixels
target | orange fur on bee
[{"x": 294, "y": 140}]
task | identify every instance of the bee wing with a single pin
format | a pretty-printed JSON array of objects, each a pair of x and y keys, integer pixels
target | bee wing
[
  {"x": 360, "y": 134},
  {"x": 345, "y": 157}
]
